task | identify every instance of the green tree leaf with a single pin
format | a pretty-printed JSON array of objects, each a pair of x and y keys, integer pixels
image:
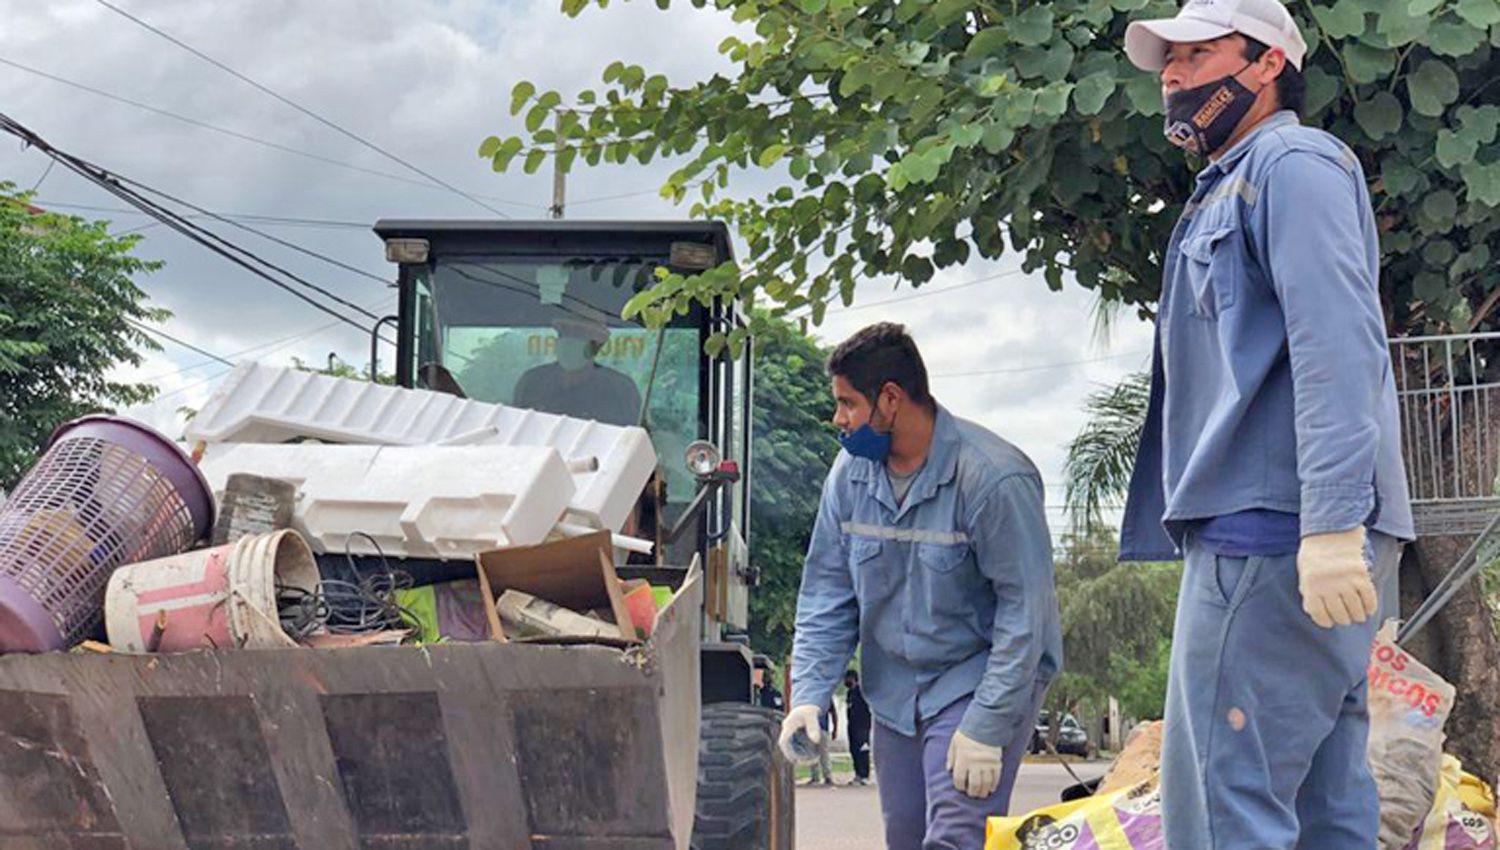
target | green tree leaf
[
  {"x": 1483, "y": 182},
  {"x": 1479, "y": 123},
  {"x": 987, "y": 42},
  {"x": 1322, "y": 89},
  {"x": 1380, "y": 116},
  {"x": 1400, "y": 25},
  {"x": 519, "y": 95},
  {"x": 1033, "y": 26},
  {"x": 1480, "y": 13},
  {"x": 1432, "y": 87},
  {"x": 770, "y": 155},
  {"x": 1454, "y": 39},
  {"x": 1341, "y": 20},
  {"x": 1368, "y": 64},
  {"x": 1144, "y": 91},
  {"x": 1093, "y": 92},
  {"x": 1454, "y": 149}
]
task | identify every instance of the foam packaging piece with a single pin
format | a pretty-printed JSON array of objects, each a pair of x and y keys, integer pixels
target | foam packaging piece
[
  {"x": 416, "y": 501},
  {"x": 259, "y": 403}
]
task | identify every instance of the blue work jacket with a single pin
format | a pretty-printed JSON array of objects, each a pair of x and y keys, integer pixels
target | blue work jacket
[
  {"x": 949, "y": 594},
  {"x": 1271, "y": 380}
]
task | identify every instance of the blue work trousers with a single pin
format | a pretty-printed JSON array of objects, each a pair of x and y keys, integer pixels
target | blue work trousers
[
  {"x": 922, "y": 809},
  {"x": 1266, "y": 716}
]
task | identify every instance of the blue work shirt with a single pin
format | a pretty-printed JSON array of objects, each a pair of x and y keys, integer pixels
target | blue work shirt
[
  {"x": 1271, "y": 382},
  {"x": 949, "y": 593}
]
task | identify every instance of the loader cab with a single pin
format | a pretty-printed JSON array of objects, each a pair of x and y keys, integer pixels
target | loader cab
[{"x": 527, "y": 314}]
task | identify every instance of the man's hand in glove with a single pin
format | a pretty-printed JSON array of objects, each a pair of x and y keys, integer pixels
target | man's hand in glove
[
  {"x": 975, "y": 766},
  {"x": 1334, "y": 578},
  {"x": 803, "y": 718}
]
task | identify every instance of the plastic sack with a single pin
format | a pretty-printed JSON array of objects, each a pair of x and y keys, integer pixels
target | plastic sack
[
  {"x": 1408, "y": 706},
  {"x": 1123, "y": 820},
  {"x": 1454, "y": 823}
]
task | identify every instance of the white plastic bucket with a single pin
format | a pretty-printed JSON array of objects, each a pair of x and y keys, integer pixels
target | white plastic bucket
[{"x": 219, "y": 597}]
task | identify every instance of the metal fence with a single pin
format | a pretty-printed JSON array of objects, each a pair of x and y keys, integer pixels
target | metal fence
[{"x": 1447, "y": 391}]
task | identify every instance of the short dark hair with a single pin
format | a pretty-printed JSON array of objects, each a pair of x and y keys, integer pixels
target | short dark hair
[
  {"x": 1291, "y": 86},
  {"x": 879, "y": 354}
]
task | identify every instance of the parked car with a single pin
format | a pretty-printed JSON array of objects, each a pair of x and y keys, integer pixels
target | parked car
[{"x": 1071, "y": 739}]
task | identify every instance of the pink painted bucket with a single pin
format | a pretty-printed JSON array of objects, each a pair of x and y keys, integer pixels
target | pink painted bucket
[{"x": 210, "y": 598}]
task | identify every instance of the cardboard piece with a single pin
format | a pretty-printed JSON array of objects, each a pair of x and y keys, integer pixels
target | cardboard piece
[
  {"x": 1138, "y": 762},
  {"x": 577, "y": 573}
]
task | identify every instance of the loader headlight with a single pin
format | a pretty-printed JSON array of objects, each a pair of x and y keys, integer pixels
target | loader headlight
[{"x": 703, "y": 458}]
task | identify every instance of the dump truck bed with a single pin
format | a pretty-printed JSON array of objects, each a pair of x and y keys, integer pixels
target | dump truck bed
[{"x": 554, "y": 747}]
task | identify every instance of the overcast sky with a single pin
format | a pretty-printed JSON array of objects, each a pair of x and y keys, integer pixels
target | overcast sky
[{"x": 428, "y": 81}]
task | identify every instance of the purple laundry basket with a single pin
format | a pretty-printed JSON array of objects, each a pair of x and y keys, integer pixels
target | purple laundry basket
[{"x": 107, "y": 492}]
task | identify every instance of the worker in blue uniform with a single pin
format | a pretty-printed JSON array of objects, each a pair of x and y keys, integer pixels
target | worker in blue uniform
[
  {"x": 931, "y": 551},
  {"x": 1270, "y": 457}
]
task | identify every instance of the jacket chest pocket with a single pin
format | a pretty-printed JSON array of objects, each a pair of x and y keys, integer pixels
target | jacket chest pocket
[
  {"x": 869, "y": 572},
  {"x": 1214, "y": 267},
  {"x": 942, "y": 557}
]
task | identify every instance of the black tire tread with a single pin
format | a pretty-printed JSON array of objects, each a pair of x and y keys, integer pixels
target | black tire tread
[{"x": 740, "y": 768}]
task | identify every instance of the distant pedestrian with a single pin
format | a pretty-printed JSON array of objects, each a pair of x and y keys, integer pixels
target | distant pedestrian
[
  {"x": 858, "y": 725},
  {"x": 829, "y": 723}
]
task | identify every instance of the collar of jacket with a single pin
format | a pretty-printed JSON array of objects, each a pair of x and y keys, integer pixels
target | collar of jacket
[
  {"x": 1231, "y": 157},
  {"x": 940, "y": 468}
]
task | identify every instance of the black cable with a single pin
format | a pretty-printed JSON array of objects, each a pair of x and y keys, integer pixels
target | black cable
[
  {"x": 242, "y": 257},
  {"x": 273, "y": 345},
  {"x": 262, "y": 234},
  {"x": 40, "y": 180},
  {"x": 169, "y": 338},
  {"x": 255, "y": 217},
  {"x": 337, "y": 606},
  {"x": 304, "y": 110}
]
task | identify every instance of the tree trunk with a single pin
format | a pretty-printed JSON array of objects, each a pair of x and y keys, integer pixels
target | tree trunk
[{"x": 1460, "y": 645}]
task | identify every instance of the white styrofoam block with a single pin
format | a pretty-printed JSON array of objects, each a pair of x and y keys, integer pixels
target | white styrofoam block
[
  {"x": 416, "y": 501},
  {"x": 260, "y": 403}
]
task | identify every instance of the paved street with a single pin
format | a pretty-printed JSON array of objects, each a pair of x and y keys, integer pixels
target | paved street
[{"x": 849, "y": 818}]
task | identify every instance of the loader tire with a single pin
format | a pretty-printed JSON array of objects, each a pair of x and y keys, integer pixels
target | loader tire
[{"x": 745, "y": 782}]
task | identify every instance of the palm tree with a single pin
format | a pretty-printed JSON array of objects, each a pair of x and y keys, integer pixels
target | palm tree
[{"x": 1101, "y": 457}]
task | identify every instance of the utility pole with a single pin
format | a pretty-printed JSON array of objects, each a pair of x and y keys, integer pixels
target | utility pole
[{"x": 559, "y": 179}]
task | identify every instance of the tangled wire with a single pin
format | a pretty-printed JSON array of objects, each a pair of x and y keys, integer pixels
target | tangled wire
[{"x": 342, "y": 607}]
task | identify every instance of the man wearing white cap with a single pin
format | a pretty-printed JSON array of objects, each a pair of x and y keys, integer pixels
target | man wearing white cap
[{"x": 1270, "y": 458}]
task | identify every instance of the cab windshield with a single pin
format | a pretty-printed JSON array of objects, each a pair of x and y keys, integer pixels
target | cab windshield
[{"x": 544, "y": 333}]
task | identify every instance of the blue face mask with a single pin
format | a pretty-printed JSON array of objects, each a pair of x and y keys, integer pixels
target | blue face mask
[{"x": 867, "y": 443}]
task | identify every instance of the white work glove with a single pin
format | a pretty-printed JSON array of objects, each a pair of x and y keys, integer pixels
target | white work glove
[
  {"x": 802, "y": 718},
  {"x": 1334, "y": 579},
  {"x": 975, "y": 766}
]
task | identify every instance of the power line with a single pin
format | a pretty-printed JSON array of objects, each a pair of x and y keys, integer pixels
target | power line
[
  {"x": 278, "y": 240},
  {"x": 115, "y": 185},
  {"x": 221, "y": 373},
  {"x": 43, "y": 179},
  {"x": 300, "y": 108},
  {"x": 912, "y": 296},
  {"x": 274, "y": 345},
  {"x": 169, "y": 338},
  {"x": 1041, "y": 366},
  {"x": 245, "y": 136},
  {"x": 255, "y": 217}
]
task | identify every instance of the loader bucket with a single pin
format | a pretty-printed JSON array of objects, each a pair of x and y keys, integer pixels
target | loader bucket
[{"x": 518, "y": 745}]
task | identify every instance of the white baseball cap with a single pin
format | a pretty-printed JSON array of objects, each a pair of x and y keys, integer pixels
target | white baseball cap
[{"x": 1266, "y": 21}]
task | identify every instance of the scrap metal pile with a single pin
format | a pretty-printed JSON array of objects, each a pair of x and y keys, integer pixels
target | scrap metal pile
[{"x": 348, "y": 513}]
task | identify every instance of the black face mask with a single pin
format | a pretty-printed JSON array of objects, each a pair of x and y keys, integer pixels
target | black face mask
[{"x": 1201, "y": 119}]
